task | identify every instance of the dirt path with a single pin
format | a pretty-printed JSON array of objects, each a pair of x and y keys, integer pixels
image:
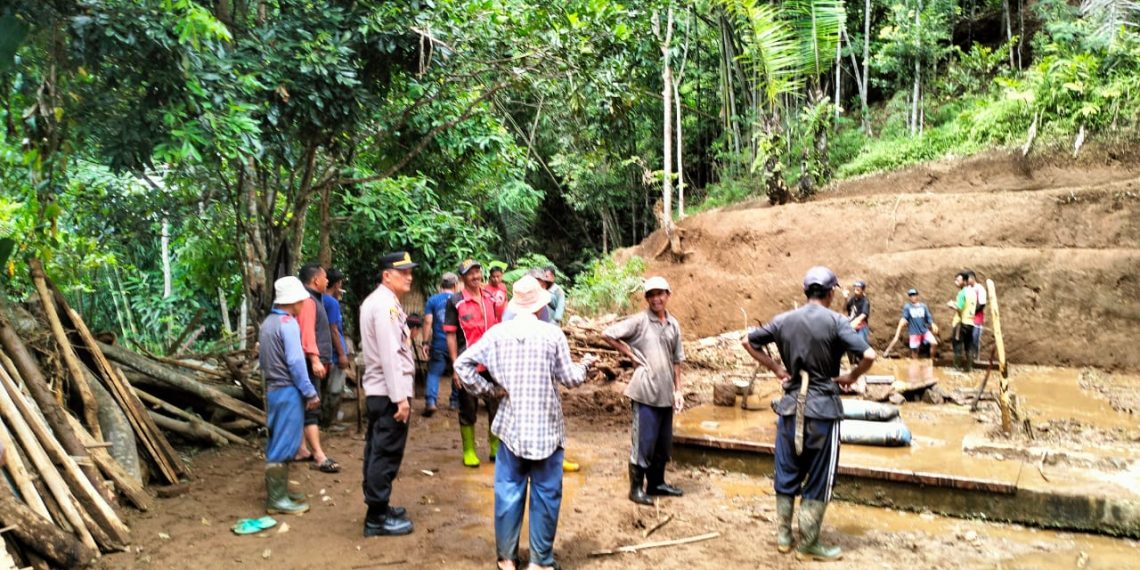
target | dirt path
[{"x": 452, "y": 511}]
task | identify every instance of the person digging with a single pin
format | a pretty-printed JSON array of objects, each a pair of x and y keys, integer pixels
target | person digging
[
  {"x": 288, "y": 393},
  {"x": 812, "y": 340}
]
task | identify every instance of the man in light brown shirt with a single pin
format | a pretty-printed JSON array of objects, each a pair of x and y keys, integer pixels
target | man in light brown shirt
[{"x": 389, "y": 366}]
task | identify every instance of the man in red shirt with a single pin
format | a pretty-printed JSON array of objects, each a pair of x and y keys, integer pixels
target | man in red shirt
[
  {"x": 496, "y": 285},
  {"x": 469, "y": 314}
]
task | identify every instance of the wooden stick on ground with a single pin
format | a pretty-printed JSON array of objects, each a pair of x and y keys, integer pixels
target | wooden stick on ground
[
  {"x": 648, "y": 545},
  {"x": 657, "y": 526},
  {"x": 74, "y": 368}
]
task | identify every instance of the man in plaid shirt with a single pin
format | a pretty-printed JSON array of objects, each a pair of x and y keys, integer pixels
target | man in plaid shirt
[{"x": 527, "y": 358}]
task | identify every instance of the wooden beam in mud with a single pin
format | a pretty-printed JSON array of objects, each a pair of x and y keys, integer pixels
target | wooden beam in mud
[{"x": 879, "y": 473}]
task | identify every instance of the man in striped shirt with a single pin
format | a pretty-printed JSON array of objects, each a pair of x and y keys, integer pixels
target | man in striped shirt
[{"x": 528, "y": 359}]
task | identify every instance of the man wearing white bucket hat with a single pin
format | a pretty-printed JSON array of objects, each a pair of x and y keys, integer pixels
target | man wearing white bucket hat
[
  {"x": 528, "y": 358},
  {"x": 288, "y": 392},
  {"x": 652, "y": 339}
]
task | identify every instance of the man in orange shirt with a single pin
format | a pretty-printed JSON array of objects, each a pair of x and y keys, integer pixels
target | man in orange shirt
[{"x": 316, "y": 342}]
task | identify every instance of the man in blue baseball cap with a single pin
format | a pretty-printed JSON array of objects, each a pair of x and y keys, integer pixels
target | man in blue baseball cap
[{"x": 812, "y": 340}]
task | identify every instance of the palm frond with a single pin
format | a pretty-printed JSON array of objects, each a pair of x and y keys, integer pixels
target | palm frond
[
  {"x": 817, "y": 24},
  {"x": 771, "y": 49},
  {"x": 1109, "y": 16}
]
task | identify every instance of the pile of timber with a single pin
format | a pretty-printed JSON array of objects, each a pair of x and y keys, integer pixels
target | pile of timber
[{"x": 82, "y": 425}]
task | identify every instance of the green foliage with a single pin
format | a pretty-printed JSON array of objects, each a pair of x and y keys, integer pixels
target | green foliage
[
  {"x": 725, "y": 192},
  {"x": 531, "y": 261},
  {"x": 606, "y": 286}
]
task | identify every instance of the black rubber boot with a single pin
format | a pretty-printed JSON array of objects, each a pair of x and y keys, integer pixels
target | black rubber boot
[
  {"x": 655, "y": 477},
  {"x": 636, "y": 485},
  {"x": 380, "y": 522}
]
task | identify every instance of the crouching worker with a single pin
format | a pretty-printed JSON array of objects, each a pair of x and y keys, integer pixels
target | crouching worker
[
  {"x": 288, "y": 393},
  {"x": 812, "y": 339},
  {"x": 528, "y": 358}
]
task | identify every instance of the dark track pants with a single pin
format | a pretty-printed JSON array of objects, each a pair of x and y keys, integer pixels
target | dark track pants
[
  {"x": 469, "y": 406},
  {"x": 812, "y": 473},
  {"x": 383, "y": 451},
  {"x": 652, "y": 436}
]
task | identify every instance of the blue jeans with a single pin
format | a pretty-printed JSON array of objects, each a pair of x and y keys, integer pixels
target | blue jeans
[
  {"x": 511, "y": 476},
  {"x": 438, "y": 363}
]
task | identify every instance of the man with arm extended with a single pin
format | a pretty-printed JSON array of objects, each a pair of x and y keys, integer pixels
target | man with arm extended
[
  {"x": 812, "y": 340},
  {"x": 528, "y": 359},
  {"x": 288, "y": 392},
  {"x": 920, "y": 326},
  {"x": 652, "y": 339},
  {"x": 389, "y": 367}
]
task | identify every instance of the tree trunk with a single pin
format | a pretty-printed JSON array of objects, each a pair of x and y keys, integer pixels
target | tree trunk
[
  {"x": 917, "y": 77},
  {"x": 40, "y": 535},
  {"x": 866, "y": 66},
  {"x": 838, "y": 75},
  {"x": 667, "y": 142},
  {"x": 226, "y": 326},
  {"x": 243, "y": 322},
  {"x": 324, "y": 254},
  {"x": 680, "y": 151},
  {"x": 1005, "y": 15}
]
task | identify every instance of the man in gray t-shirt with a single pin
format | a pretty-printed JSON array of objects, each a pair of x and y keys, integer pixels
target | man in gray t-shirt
[
  {"x": 812, "y": 340},
  {"x": 652, "y": 340}
]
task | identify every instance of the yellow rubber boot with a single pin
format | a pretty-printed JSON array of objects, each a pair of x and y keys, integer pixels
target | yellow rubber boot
[
  {"x": 470, "y": 458},
  {"x": 570, "y": 467}
]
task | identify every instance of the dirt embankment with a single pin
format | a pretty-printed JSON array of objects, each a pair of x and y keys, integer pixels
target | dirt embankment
[{"x": 1060, "y": 239}]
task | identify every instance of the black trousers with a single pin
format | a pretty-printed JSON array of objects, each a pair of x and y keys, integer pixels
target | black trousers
[
  {"x": 469, "y": 405},
  {"x": 383, "y": 451}
]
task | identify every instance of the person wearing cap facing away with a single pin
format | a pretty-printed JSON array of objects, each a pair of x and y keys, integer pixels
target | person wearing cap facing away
[
  {"x": 812, "y": 340},
  {"x": 435, "y": 344},
  {"x": 652, "y": 339},
  {"x": 858, "y": 308},
  {"x": 528, "y": 358},
  {"x": 288, "y": 392},
  {"x": 919, "y": 322},
  {"x": 470, "y": 313},
  {"x": 389, "y": 367}
]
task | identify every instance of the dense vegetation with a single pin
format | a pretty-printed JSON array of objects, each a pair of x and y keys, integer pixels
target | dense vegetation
[{"x": 170, "y": 156}]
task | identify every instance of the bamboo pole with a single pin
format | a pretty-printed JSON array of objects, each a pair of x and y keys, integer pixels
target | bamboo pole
[
  {"x": 20, "y": 476},
  {"x": 39, "y": 459},
  {"x": 70, "y": 359},
  {"x": 82, "y": 489}
]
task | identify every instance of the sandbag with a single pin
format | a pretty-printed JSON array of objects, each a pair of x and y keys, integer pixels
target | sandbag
[
  {"x": 869, "y": 411},
  {"x": 885, "y": 434}
]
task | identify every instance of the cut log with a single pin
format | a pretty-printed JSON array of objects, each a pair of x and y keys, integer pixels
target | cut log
[
  {"x": 194, "y": 420},
  {"x": 118, "y": 434},
  {"x": 38, "y": 534},
  {"x": 189, "y": 430},
  {"x": 39, "y": 459},
  {"x": 19, "y": 474},
  {"x": 170, "y": 465},
  {"x": 140, "y": 380},
  {"x": 74, "y": 368},
  {"x": 180, "y": 381},
  {"x": 86, "y": 493},
  {"x": 124, "y": 482},
  {"x": 38, "y": 388}
]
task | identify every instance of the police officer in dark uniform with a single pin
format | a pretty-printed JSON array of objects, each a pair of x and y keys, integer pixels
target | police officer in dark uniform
[{"x": 811, "y": 341}]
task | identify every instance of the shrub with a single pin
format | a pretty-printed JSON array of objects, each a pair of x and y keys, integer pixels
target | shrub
[{"x": 606, "y": 286}]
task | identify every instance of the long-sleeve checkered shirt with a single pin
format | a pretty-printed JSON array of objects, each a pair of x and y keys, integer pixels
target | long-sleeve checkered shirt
[{"x": 528, "y": 358}]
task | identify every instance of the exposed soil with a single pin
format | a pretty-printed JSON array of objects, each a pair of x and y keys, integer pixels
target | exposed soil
[
  {"x": 452, "y": 510},
  {"x": 1058, "y": 237}
]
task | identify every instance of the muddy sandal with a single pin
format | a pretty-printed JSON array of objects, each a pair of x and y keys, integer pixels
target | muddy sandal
[{"x": 329, "y": 465}]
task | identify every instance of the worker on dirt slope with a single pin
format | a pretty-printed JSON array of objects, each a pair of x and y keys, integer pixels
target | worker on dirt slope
[
  {"x": 288, "y": 392},
  {"x": 529, "y": 359},
  {"x": 979, "y": 311},
  {"x": 543, "y": 315},
  {"x": 919, "y": 325},
  {"x": 434, "y": 346},
  {"x": 330, "y": 407},
  {"x": 389, "y": 367},
  {"x": 469, "y": 315},
  {"x": 652, "y": 339},
  {"x": 812, "y": 340},
  {"x": 858, "y": 308},
  {"x": 316, "y": 339},
  {"x": 965, "y": 307}
]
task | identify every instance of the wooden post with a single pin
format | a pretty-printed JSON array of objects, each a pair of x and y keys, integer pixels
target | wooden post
[{"x": 1004, "y": 401}]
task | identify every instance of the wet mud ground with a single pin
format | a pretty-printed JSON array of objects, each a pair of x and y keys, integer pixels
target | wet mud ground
[{"x": 452, "y": 511}]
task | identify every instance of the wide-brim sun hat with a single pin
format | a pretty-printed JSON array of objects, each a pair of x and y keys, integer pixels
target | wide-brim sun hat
[
  {"x": 289, "y": 290},
  {"x": 528, "y": 296}
]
